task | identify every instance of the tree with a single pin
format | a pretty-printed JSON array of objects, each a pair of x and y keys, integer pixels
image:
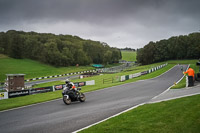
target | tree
[
  {"x": 16, "y": 47},
  {"x": 81, "y": 57},
  {"x": 57, "y": 50},
  {"x": 179, "y": 47},
  {"x": 107, "y": 57}
]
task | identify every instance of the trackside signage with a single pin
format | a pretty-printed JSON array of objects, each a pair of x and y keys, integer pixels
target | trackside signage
[
  {"x": 145, "y": 72},
  {"x": 3, "y": 95},
  {"x": 18, "y": 93},
  {"x": 92, "y": 82},
  {"x": 58, "y": 87},
  {"x": 40, "y": 90}
]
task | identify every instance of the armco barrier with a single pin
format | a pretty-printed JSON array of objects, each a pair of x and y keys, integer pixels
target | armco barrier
[
  {"x": 127, "y": 77},
  {"x": 123, "y": 78}
]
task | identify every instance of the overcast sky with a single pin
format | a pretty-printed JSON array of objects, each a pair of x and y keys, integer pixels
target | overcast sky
[{"x": 120, "y": 23}]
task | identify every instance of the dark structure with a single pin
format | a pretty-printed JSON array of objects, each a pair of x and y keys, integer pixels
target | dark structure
[
  {"x": 198, "y": 64},
  {"x": 198, "y": 74},
  {"x": 15, "y": 82}
]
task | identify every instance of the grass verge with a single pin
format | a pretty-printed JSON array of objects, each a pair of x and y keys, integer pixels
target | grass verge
[
  {"x": 34, "y": 69},
  {"x": 180, "y": 85},
  {"x": 175, "y": 116}
]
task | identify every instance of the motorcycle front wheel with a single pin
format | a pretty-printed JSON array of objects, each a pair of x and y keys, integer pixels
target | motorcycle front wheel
[
  {"x": 67, "y": 100},
  {"x": 82, "y": 97}
]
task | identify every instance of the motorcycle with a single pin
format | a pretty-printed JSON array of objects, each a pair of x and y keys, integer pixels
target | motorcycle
[{"x": 70, "y": 95}]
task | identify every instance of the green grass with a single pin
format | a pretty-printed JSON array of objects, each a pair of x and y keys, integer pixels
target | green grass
[
  {"x": 181, "y": 84},
  {"x": 128, "y": 55},
  {"x": 33, "y": 69},
  {"x": 175, "y": 116}
]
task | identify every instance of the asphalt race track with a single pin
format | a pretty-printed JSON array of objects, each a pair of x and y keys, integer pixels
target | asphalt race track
[{"x": 56, "y": 117}]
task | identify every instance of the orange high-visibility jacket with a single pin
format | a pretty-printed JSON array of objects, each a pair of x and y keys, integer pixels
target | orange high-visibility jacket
[{"x": 190, "y": 72}]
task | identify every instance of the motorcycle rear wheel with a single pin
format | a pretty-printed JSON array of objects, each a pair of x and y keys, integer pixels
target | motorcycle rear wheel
[{"x": 67, "y": 100}]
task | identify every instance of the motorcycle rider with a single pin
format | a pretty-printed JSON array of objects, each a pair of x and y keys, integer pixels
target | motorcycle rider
[{"x": 71, "y": 86}]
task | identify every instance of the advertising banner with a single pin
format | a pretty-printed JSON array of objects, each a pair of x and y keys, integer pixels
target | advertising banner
[
  {"x": 92, "y": 82},
  {"x": 130, "y": 76},
  {"x": 3, "y": 95},
  {"x": 18, "y": 93},
  {"x": 136, "y": 75},
  {"x": 145, "y": 72},
  {"x": 81, "y": 84},
  {"x": 58, "y": 87},
  {"x": 41, "y": 90},
  {"x": 123, "y": 78}
]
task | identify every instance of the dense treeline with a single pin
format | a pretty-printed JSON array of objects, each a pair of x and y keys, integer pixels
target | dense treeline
[
  {"x": 57, "y": 50},
  {"x": 180, "y": 47}
]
